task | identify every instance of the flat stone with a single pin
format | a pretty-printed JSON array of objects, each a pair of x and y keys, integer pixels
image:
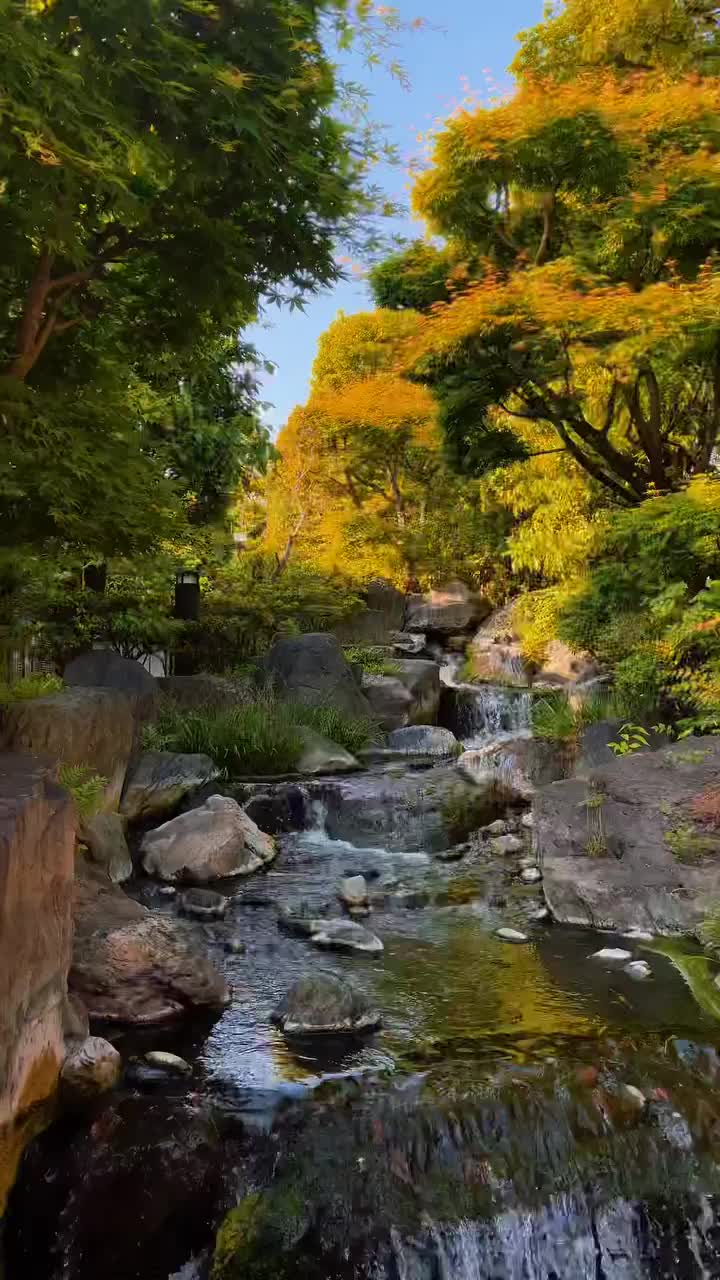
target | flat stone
[
  {"x": 325, "y": 1004},
  {"x": 639, "y": 970},
  {"x": 202, "y": 904},
  {"x": 321, "y": 755},
  {"x": 531, "y": 875},
  {"x": 511, "y": 935},
  {"x": 424, "y": 740},
  {"x": 345, "y": 935},
  {"x": 612, "y": 955},
  {"x": 169, "y": 1062},
  {"x": 503, "y": 845}
]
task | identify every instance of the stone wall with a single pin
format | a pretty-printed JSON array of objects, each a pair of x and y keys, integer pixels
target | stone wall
[{"x": 37, "y": 838}]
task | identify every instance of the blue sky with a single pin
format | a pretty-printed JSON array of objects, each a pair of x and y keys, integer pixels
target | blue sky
[{"x": 466, "y": 43}]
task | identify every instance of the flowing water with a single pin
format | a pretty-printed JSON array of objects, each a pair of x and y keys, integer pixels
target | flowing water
[{"x": 491, "y": 1130}]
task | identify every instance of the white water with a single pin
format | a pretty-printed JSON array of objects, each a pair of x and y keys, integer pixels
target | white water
[{"x": 490, "y": 713}]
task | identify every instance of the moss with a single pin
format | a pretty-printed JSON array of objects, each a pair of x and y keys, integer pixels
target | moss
[{"x": 257, "y": 1238}]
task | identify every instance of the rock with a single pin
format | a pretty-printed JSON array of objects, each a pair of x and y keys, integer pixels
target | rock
[
  {"x": 209, "y": 843},
  {"x": 455, "y": 854},
  {"x": 639, "y": 935},
  {"x": 646, "y": 821},
  {"x": 527, "y": 821},
  {"x": 384, "y": 612},
  {"x": 312, "y": 669},
  {"x": 92, "y": 727},
  {"x": 541, "y": 915},
  {"x": 638, "y": 969},
  {"x": 531, "y": 875},
  {"x": 562, "y": 667},
  {"x": 159, "y": 781},
  {"x": 446, "y": 610},
  {"x": 410, "y": 899},
  {"x": 390, "y": 702},
  {"x": 76, "y": 1024},
  {"x": 503, "y": 845},
  {"x": 106, "y": 669},
  {"x": 631, "y": 1098},
  {"x": 279, "y": 808},
  {"x": 104, "y": 837},
  {"x": 424, "y": 740},
  {"x": 382, "y": 597},
  {"x": 528, "y": 861},
  {"x": 612, "y": 955},
  {"x": 37, "y": 845},
  {"x": 320, "y": 755},
  {"x": 190, "y": 693},
  {"x": 421, "y": 678},
  {"x": 299, "y": 918},
  {"x": 344, "y": 935},
  {"x": 511, "y": 935},
  {"x": 495, "y": 653},
  {"x": 322, "y": 1004},
  {"x": 169, "y": 1062},
  {"x": 91, "y": 1069},
  {"x": 235, "y": 946},
  {"x": 496, "y": 828},
  {"x": 408, "y": 642},
  {"x": 166, "y": 891},
  {"x": 519, "y": 765},
  {"x": 131, "y": 965},
  {"x": 353, "y": 891},
  {"x": 202, "y": 904}
]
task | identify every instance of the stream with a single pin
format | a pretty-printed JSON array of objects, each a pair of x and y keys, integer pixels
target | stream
[{"x": 525, "y": 1112}]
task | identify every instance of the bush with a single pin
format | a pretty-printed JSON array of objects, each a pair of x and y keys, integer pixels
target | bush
[
  {"x": 258, "y": 736},
  {"x": 85, "y": 786},
  {"x": 637, "y": 686},
  {"x": 38, "y": 685}
]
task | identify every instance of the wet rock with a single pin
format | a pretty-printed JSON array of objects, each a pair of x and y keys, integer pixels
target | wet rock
[
  {"x": 424, "y": 740},
  {"x": 320, "y": 755},
  {"x": 166, "y": 891},
  {"x": 345, "y": 935},
  {"x": 502, "y": 845},
  {"x": 446, "y": 610},
  {"x": 353, "y": 892},
  {"x": 322, "y": 1004},
  {"x": 299, "y": 918},
  {"x": 526, "y": 862},
  {"x": 169, "y": 1062},
  {"x": 631, "y": 1098},
  {"x": 235, "y": 946},
  {"x": 511, "y": 935},
  {"x": 612, "y": 955},
  {"x": 390, "y": 702},
  {"x": 497, "y": 828},
  {"x": 527, "y": 821},
  {"x": 209, "y": 843},
  {"x": 640, "y": 883},
  {"x": 421, "y": 678},
  {"x": 638, "y": 969},
  {"x": 455, "y": 854},
  {"x": 313, "y": 669},
  {"x": 531, "y": 875},
  {"x": 131, "y": 965},
  {"x": 202, "y": 904},
  {"x": 639, "y": 935},
  {"x": 281, "y": 808},
  {"x": 541, "y": 915},
  {"x": 90, "y": 1069},
  {"x": 104, "y": 837},
  {"x": 160, "y": 780},
  {"x": 408, "y": 642}
]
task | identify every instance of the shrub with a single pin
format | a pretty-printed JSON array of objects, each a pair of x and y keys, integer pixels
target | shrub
[
  {"x": 553, "y": 718},
  {"x": 536, "y": 619},
  {"x": 37, "y": 685},
  {"x": 637, "y": 686},
  {"x": 85, "y": 786}
]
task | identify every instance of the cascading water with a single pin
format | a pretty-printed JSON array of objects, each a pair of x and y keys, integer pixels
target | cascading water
[{"x": 486, "y": 713}]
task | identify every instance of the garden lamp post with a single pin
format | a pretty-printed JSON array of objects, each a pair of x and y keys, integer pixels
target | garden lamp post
[{"x": 187, "y": 609}]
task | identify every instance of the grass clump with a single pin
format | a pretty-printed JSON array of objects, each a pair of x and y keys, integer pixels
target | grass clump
[
  {"x": 259, "y": 735},
  {"x": 37, "y": 685},
  {"x": 85, "y": 786},
  {"x": 689, "y": 845},
  {"x": 372, "y": 659},
  {"x": 554, "y": 719}
]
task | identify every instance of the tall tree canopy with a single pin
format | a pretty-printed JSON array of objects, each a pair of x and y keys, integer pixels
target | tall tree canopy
[{"x": 594, "y": 197}]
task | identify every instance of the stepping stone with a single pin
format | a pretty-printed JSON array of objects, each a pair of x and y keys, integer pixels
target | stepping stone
[
  {"x": 612, "y": 955},
  {"x": 511, "y": 935},
  {"x": 345, "y": 935}
]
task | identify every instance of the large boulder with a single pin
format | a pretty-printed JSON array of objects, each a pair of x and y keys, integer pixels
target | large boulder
[
  {"x": 106, "y": 669},
  {"x": 390, "y": 701},
  {"x": 104, "y": 837},
  {"x": 313, "y": 669},
  {"x": 421, "y": 678},
  {"x": 37, "y": 843},
  {"x": 159, "y": 780},
  {"x": 623, "y": 849},
  {"x": 423, "y": 740},
  {"x": 131, "y": 965},
  {"x": 448, "y": 609},
  {"x": 320, "y": 755},
  {"x": 216, "y": 840},
  {"x": 93, "y": 727},
  {"x": 322, "y": 1004}
]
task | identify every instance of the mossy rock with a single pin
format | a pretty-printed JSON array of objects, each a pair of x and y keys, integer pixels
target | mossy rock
[{"x": 256, "y": 1239}]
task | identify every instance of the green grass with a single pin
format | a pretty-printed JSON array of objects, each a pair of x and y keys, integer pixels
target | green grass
[
  {"x": 35, "y": 686},
  {"x": 709, "y": 931},
  {"x": 257, "y": 736},
  {"x": 371, "y": 659},
  {"x": 689, "y": 845},
  {"x": 85, "y": 786},
  {"x": 554, "y": 719}
]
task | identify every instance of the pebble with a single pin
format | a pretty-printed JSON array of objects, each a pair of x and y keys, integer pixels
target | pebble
[
  {"x": 506, "y": 844},
  {"x": 638, "y": 969},
  {"x": 511, "y": 935},
  {"x": 235, "y": 946},
  {"x": 639, "y": 935},
  {"x": 631, "y": 1097},
  {"x": 353, "y": 891},
  {"x": 531, "y": 875},
  {"x": 452, "y": 855},
  {"x": 166, "y": 890},
  {"x": 612, "y": 955},
  {"x": 496, "y": 828},
  {"x": 542, "y": 914},
  {"x": 528, "y": 861},
  {"x": 168, "y": 1062}
]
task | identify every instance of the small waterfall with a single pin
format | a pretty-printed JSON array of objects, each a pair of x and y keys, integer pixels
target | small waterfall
[{"x": 486, "y": 713}]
